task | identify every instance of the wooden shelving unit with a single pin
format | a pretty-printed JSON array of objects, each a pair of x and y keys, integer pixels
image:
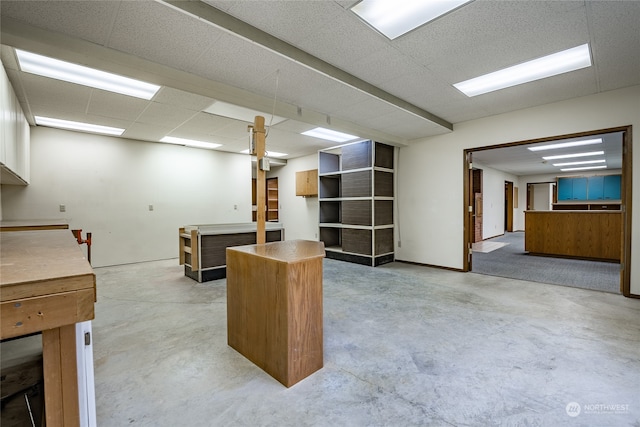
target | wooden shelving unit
[
  {"x": 356, "y": 197},
  {"x": 272, "y": 203}
]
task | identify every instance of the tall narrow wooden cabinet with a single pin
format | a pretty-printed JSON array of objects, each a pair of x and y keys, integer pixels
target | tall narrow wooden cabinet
[
  {"x": 272, "y": 203},
  {"x": 356, "y": 196}
]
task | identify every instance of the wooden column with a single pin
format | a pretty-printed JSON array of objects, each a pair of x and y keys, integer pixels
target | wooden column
[{"x": 261, "y": 184}]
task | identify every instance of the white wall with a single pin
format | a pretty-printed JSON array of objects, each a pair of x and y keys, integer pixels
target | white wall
[
  {"x": 298, "y": 214},
  {"x": 542, "y": 197},
  {"x": 107, "y": 185},
  {"x": 431, "y": 171},
  {"x": 493, "y": 200}
]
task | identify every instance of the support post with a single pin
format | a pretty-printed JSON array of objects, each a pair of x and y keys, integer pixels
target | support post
[{"x": 261, "y": 184}]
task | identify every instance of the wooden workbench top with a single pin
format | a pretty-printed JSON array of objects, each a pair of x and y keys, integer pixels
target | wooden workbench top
[
  {"x": 37, "y": 263},
  {"x": 288, "y": 251},
  {"x": 34, "y": 224}
]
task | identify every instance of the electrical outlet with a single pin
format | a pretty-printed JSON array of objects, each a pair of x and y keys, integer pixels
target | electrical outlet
[
  {"x": 399, "y": 244},
  {"x": 235, "y": 207},
  {"x": 63, "y": 208},
  {"x": 150, "y": 207}
]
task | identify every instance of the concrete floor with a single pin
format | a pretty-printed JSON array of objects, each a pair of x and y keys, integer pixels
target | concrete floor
[{"x": 404, "y": 345}]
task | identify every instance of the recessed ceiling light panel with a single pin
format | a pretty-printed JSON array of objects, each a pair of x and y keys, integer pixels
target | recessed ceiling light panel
[
  {"x": 551, "y": 65},
  {"x": 397, "y": 17},
  {"x": 330, "y": 135},
  {"x": 268, "y": 153},
  {"x": 78, "y": 74},
  {"x": 190, "y": 142},
  {"x": 566, "y": 144},
  {"x": 244, "y": 114},
  {"x": 84, "y": 127},
  {"x": 583, "y": 169},
  {"x": 585, "y": 162},
  {"x": 571, "y": 156}
]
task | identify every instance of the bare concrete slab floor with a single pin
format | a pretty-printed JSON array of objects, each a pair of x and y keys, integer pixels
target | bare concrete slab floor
[{"x": 404, "y": 346}]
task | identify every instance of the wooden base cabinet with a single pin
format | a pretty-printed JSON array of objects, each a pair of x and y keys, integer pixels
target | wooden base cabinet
[
  {"x": 274, "y": 307},
  {"x": 356, "y": 195},
  {"x": 578, "y": 234}
]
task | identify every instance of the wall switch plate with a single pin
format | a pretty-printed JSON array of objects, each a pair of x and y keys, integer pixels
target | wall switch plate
[{"x": 63, "y": 208}]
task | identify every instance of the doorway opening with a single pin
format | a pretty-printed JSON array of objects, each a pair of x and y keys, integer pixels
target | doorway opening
[{"x": 619, "y": 162}]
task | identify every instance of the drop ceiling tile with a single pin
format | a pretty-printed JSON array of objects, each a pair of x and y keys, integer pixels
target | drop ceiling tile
[
  {"x": 232, "y": 61},
  {"x": 479, "y": 37},
  {"x": 46, "y": 91},
  {"x": 88, "y": 20},
  {"x": 618, "y": 50},
  {"x": 146, "y": 132},
  {"x": 165, "y": 115},
  {"x": 76, "y": 116},
  {"x": 206, "y": 123},
  {"x": 234, "y": 129},
  {"x": 180, "y": 98},
  {"x": 109, "y": 104},
  {"x": 291, "y": 21},
  {"x": 347, "y": 39},
  {"x": 156, "y": 32}
]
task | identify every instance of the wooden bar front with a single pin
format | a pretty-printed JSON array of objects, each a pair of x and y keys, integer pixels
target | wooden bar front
[
  {"x": 47, "y": 285},
  {"x": 580, "y": 234},
  {"x": 274, "y": 307}
]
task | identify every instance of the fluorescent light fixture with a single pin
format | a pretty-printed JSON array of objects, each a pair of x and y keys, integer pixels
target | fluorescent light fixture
[
  {"x": 268, "y": 153},
  {"x": 397, "y": 17},
  {"x": 84, "y": 127},
  {"x": 547, "y": 66},
  {"x": 586, "y": 162},
  {"x": 237, "y": 112},
  {"x": 190, "y": 142},
  {"x": 74, "y": 73},
  {"x": 583, "y": 169},
  {"x": 571, "y": 156},
  {"x": 566, "y": 144},
  {"x": 330, "y": 135}
]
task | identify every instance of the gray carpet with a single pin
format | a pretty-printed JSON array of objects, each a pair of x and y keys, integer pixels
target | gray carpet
[{"x": 513, "y": 262}]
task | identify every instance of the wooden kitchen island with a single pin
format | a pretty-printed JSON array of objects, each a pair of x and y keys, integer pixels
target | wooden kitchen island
[
  {"x": 274, "y": 307},
  {"x": 47, "y": 285},
  {"x": 587, "y": 234}
]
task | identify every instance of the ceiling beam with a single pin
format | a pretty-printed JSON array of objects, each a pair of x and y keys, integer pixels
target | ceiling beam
[
  {"x": 241, "y": 29},
  {"x": 45, "y": 42}
]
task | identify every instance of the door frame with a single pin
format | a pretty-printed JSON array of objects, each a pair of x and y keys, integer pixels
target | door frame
[
  {"x": 508, "y": 206},
  {"x": 626, "y": 197}
]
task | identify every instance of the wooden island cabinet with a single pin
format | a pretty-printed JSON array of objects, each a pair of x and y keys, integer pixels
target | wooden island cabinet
[
  {"x": 588, "y": 234},
  {"x": 274, "y": 307}
]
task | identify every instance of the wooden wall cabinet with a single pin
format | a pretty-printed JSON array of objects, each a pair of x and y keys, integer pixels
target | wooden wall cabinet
[
  {"x": 307, "y": 183},
  {"x": 356, "y": 198}
]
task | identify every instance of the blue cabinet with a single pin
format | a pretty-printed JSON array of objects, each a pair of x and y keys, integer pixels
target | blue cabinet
[
  {"x": 595, "y": 188},
  {"x": 592, "y": 188},
  {"x": 565, "y": 189},
  {"x": 611, "y": 187},
  {"x": 579, "y": 189}
]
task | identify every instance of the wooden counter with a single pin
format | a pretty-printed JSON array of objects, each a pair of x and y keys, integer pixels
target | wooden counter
[
  {"x": 274, "y": 307},
  {"x": 202, "y": 247},
  {"x": 33, "y": 225},
  {"x": 580, "y": 234},
  {"x": 48, "y": 285}
]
